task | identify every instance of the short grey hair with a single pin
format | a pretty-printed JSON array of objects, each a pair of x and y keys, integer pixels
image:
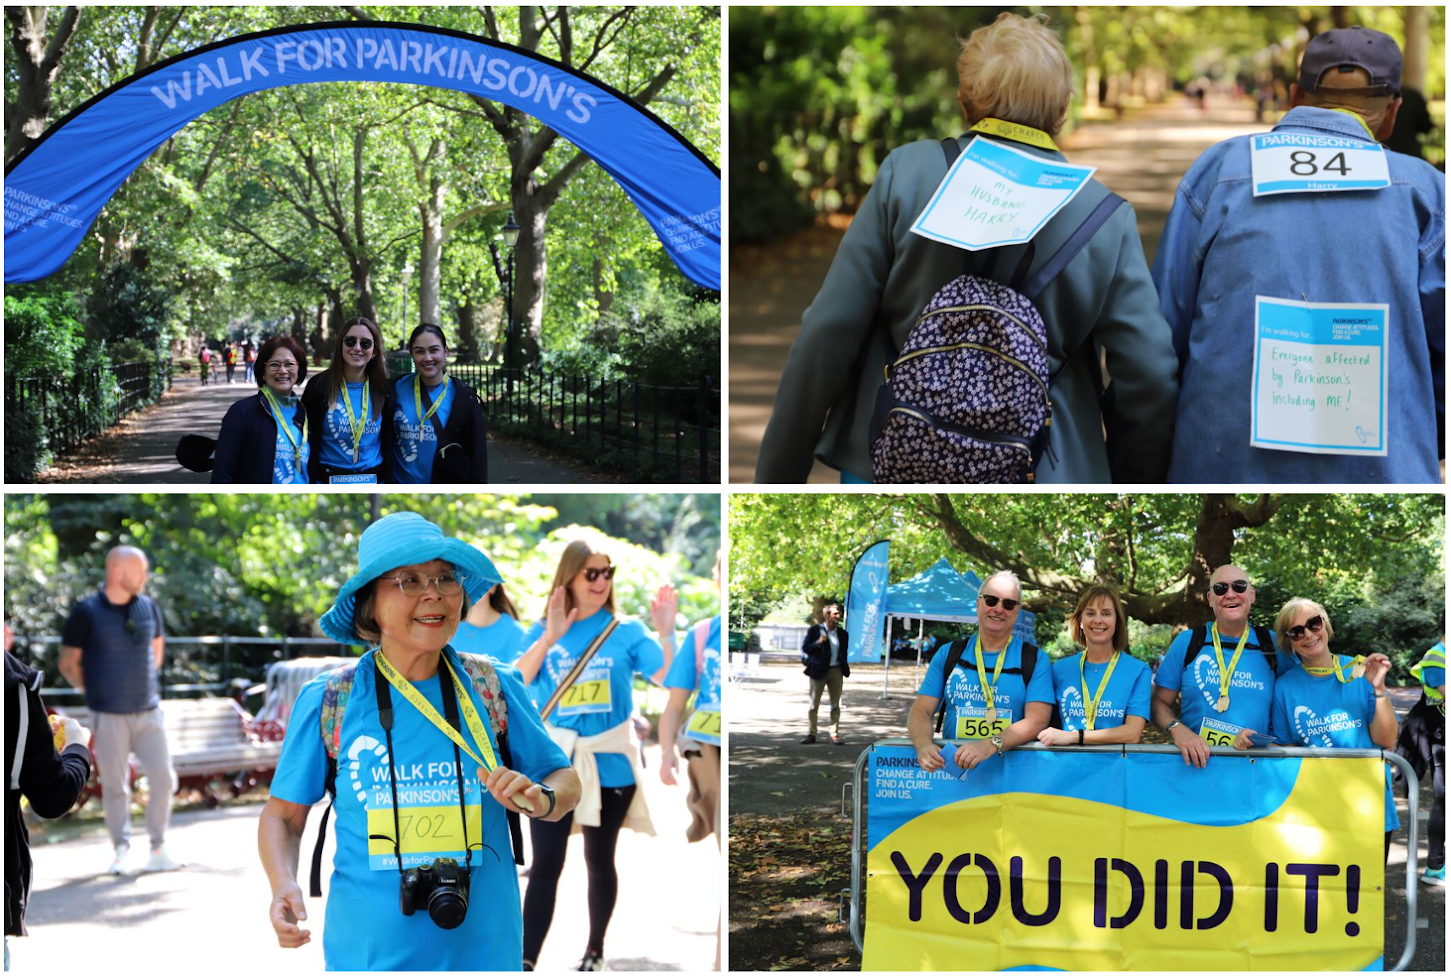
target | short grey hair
[{"x": 1011, "y": 577}]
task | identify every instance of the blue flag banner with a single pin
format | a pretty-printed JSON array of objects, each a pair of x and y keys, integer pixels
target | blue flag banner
[
  {"x": 866, "y": 603},
  {"x": 56, "y": 188}
]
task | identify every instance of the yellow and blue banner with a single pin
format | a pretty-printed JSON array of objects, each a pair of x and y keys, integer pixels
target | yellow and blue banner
[{"x": 1106, "y": 861}]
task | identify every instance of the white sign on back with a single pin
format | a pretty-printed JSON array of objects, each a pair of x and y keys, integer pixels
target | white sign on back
[{"x": 1292, "y": 162}]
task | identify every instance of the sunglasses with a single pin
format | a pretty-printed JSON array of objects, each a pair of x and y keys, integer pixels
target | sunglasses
[
  {"x": 1239, "y": 586},
  {"x": 1313, "y": 625},
  {"x": 992, "y": 601},
  {"x": 593, "y": 574},
  {"x": 351, "y": 341}
]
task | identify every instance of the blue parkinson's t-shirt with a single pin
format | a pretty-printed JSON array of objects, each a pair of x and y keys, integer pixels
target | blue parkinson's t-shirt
[
  {"x": 1325, "y": 713},
  {"x": 337, "y": 433},
  {"x": 1127, "y": 692},
  {"x": 604, "y": 695},
  {"x": 413, "y": 448},
  {"x": 503, "y": 640},
  {"x": 289, "y": 465},
  {"x": 965, "y": 696},
  {"x": 1250, "y": 689},
  {"x": 706, "y": 684},
  {"x": 364, "y": 929}
]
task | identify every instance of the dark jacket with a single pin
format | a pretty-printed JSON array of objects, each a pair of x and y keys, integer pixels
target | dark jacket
[
  {"x": 462, "y": 457},
  {"x": 247, "y": 444},
  {"x": 50, "y": 781},
  {"x": 817, "y": 656},
  {"x": 315, "y": 404}
]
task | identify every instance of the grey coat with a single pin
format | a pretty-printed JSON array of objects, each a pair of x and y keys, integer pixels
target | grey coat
[{"x": 882, "y": 277}]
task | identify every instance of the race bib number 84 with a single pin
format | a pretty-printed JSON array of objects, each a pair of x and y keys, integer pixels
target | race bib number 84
[{"x": 1293, "y": 163}]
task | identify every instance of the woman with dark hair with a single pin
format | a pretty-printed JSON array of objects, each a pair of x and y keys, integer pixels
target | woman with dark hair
[
  {"x": 434, "y": 433},
  {"x": 263, "y": 440},
  {"x": 345, "y": 409}
]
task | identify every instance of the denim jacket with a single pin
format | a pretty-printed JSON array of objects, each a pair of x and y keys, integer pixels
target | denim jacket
[{"x": 1222, "y": 247}]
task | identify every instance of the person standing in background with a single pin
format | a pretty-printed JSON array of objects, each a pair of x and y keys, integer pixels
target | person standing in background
[{"x": 823, "y": 653}]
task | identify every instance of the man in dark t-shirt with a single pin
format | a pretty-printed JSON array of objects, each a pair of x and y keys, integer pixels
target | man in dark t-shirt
[{"x": 112, "y": 649}]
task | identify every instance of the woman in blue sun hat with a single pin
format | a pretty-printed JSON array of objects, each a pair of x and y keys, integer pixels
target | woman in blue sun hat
[{"x": 416, "y": 746}]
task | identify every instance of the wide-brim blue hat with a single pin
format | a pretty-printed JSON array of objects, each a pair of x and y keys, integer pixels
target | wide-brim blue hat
[{"x": 405, "y": 539}]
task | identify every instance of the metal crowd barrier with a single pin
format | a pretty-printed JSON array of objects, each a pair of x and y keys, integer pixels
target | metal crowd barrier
[{"x": 856, "y": 787}]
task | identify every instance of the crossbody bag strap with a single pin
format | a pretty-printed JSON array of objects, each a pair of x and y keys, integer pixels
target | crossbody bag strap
[
  {"x": 578, "y": 668},
  {"x": 1061, "y": 259}
]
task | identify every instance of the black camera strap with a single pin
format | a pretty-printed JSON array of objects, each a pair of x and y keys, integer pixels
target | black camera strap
[{"x": 385, "y": 718}]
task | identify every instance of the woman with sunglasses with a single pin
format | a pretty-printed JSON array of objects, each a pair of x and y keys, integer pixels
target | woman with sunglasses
[
  {"x": 998, "y": 695},
  {"x": 1102, "y": 692},
  {"x": 585, "y": 659},
  {"x": 345, "y": 409},
  {"x": 263, "y": 440},
  {"x": 417, "y": 745},
  {"x": 434, "y": 434},
  {"x": 1331, "y": 701}
]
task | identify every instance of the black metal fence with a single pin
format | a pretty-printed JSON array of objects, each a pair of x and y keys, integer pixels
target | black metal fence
[
  {"x": 63, "y": 411},
  {"x": 663, "y": 433}
]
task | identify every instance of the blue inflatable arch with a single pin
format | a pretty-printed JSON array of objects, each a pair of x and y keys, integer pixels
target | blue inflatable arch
[{"x": 55, "y": 189}]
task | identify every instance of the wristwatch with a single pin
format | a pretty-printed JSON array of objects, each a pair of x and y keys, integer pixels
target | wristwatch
[
  {"x": 997, "y": 742},
  {"x": 549, "y": 793},
  {"x": 1169, "y": 729}
]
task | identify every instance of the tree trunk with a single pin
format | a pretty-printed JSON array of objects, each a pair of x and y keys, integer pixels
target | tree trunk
[
  {"x": 1418, "y": 46},
  {"x": 37, "y": 61},
  {"x": 529, "y": 267},
  {"x": 468, "y": 331},
  {"x": 603, "y": 299},
  {"x": 430, "y": 270}
]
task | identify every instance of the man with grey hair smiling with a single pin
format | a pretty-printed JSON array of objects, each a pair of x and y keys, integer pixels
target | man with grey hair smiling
[{"x": 111, "y": 649}]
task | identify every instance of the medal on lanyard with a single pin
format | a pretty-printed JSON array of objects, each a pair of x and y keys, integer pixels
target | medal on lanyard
[
  {"x": 286, "y": 426},
  {"x": 1226, "y": 673},
  {"x": 1016, "y": 132},
  {"x": 987, "y": 688},
  {"x": 1357, "y": 669},
  {"x": 470, "y": 714},
  {"x": 356, "y": 425},
  {"x": 1090, "y": 705},
  {"x": 423, "y": 418}
]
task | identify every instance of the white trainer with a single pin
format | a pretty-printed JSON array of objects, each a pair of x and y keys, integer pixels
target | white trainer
[
  {"x": 118, "y": 863},
  {"x": 162, "y": 861}
]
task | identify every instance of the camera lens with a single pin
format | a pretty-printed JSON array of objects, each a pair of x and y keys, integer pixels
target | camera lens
[{"x": 447, "y": 907}]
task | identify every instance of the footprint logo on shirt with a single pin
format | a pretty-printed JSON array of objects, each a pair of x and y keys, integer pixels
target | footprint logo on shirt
[
  {"x": 1072, "y": 703},
  {"x": 1206, "y": 676},
  {"x": 1305, "y": 721},
  {"x": 363, "y": 744}
]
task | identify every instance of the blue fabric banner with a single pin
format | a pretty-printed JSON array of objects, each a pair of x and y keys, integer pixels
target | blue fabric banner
[
  {"x": 865, "y": 603},
  {"x": 54, "y": 191}
]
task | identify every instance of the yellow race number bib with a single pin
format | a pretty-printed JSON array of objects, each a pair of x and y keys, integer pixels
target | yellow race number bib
[{"x": 978, "y": 727}]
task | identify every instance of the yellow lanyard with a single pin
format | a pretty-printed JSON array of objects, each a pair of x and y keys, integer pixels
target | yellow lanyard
[
  {"x": 286, "y": 426},
  {"x": 987, "y": 688},
  {"x": 1017, "y": 133},
  {"x": 1226, "y": 673},
  {"x": 418, "y": 403},
  {"x": 356, "y": 425},
  {"x": 1357, "y": 118},
  {"x": 470, "y": 714},
  {"x": 1357, "y": 669},
  {"x": 1090, "y": 705}
]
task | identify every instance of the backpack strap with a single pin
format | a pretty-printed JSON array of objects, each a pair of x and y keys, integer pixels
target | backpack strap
[
  {"x": 1070, "y": 248},
  {"x": 1263, "y": 637},
  {"x": 578, "y": 669},
  {"x": 1028, "y": 664},
  {"x": 951, "y": 150},
  {"x": 334, "y": 704}
]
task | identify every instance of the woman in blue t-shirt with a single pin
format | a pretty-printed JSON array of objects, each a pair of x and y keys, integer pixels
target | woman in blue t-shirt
[
  {"x": 1331, "y": 701},
  {"x": 345, "y": 409},
  {"x": 433, "y": 424},
  {"x": 588, "y": 699},
  {"x": 1102, "y": 692},
  {"x": 415, "y": 751},
  {"x": 492, "y": 628}
]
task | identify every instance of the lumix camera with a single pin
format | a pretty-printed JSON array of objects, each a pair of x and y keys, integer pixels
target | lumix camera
[{"x": 441, "y": 886}]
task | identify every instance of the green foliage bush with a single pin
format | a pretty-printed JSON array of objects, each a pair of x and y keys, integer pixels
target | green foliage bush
[
  {"x": 126, "y": 305},
  {"x": 43, "y": 333}
]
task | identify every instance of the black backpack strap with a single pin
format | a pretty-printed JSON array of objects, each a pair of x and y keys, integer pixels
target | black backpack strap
[
  {"x": 516, "y": 832},
  {"x": 1267, "y": 647},
  {"x": 315, "y": 890},
  {"x": 955, "y": 650},
  {"x": 1030, "y": 661},
  {"x": 1096, "y": 219}
]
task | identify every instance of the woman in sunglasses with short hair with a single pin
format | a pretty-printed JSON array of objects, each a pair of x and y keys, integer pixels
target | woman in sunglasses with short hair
[
  {"x": 1331, "y": 701},
  {"x": 345, "y": 409},
  {"x": 999, "y": 693},
  {"x": 264, "y": 438},
  {"x": 583, "y": 659}
]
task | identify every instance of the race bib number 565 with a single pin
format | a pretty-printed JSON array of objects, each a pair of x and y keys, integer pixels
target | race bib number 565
[{"x": 978, "y": 727}]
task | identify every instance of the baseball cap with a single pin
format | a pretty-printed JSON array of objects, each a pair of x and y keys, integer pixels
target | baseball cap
[{"x": 1358, "y": 47}]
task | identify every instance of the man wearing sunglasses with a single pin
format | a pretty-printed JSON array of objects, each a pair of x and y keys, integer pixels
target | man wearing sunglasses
[
  {"x": 823, "y": 652},
  {"x": 1222, "y": 673}
]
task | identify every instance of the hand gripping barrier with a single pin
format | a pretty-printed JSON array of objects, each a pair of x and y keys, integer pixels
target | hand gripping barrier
[{"x": 857, "y": 790}]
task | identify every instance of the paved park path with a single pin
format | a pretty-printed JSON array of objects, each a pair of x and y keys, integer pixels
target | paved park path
[
  {"x": 142, "y": 447},
  {"x": 772, "y": 774},
  {"x": 1141, "y": 157},
  {"x": 212, "y": 915}
]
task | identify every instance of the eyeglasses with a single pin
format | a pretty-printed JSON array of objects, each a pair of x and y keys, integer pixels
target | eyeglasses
[
  {"x": 351, "y": 341},
  {"x": 593, "y": 574},
  {"x": 281, "y": 367},
  {"x": 1239, "y": 586},
  {"x": 992, "y": 601},
  {"x": 416, "y": 584},
  {"x": 1313, "y": 625}
]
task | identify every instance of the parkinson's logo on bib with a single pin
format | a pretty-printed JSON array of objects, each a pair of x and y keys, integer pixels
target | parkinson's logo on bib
[
  {"x": 1288, "y": 162},
  {"x": 995, "y": 195},
  {"x": 1319, "y": 377}
]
